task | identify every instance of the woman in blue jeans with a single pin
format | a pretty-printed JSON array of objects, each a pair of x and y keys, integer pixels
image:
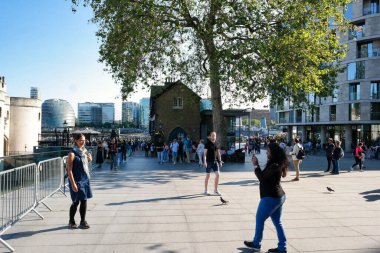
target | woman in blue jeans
[{"x": 272, "y": 197}]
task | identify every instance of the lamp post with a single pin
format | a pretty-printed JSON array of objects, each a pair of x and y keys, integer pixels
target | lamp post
[{"x": 65, "y": 134}]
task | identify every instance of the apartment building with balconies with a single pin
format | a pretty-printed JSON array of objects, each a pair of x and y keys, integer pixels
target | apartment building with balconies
[{"x": 352, "y": 113}]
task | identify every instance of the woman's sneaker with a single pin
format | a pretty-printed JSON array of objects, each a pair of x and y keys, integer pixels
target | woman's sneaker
[
  {"x": 84, "y": 225},
  {"x": 72, "y": 225},
  {"x": 276, "y": 250},
  {"x": 251, "y": 246}
]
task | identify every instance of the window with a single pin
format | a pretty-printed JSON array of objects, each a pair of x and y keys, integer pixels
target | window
[
  {"x": 316, "y": 113},
  {"x": 299, "y": 115},
  {"x": 355, "y": 70},
  {"x": 357, "y": 32},
  {"x": 354, "y": 91},
  {"x": 39, "y": 116},
  {"x": 354, "y": 111},
  {"x": 312, "y": 98},
  {"x": 335, "y": 95},
  {"x": 282, "y": 117},
  {"x": 348, "y": 11},
  {"x": 177, "y": 103},
  {"x": 332, "y": 112},
  {"x": 375, "y": 90},
  {"x": 370, "y": 7},
  {"x": 375, "y": 111},
  {"x": 365, "y": 50}
]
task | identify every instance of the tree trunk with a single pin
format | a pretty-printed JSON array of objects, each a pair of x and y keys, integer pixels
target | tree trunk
[{"x": 216, "y": 99}]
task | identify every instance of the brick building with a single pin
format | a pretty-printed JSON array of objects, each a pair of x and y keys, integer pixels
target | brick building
[{"x": 174, "y": 111}]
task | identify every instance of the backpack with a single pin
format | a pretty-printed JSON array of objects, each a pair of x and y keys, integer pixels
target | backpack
[
  {"x": 341, "y": 154},
  {"x": 301, "y": 154}
]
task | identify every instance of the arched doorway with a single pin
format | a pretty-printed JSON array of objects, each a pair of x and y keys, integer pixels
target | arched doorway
[{"x": 177, "y": 133}]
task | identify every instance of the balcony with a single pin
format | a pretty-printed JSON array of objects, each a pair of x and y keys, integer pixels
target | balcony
[
  {"x": 375, "y": 96},
  {"x": 282, "y": 120},
  {"x": 308, "y": 118},
  {"x": 332, "y": 117},
  {"x": 298, "y": 119},
  {"x": 375, "y": 115},
  {"x": 370, "y": 7}
]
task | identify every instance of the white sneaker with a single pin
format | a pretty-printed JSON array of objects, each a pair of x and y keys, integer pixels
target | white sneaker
[
  {"x": 206, "y": 193},
  {"x": 217, "y": 193}
]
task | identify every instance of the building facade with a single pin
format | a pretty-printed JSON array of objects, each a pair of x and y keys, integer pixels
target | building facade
[
  {"x": 20, "y": 123},
  {"x": 352, "y": 113},
  {"x": 130, "y": 113},
  {"x": 144, "y": 113},
  {"x": 35, "y": 93},
  {"x": 174, "y": 111},
  {"x": 55, "y": 112},
  {"x": 96, "y": 113}
]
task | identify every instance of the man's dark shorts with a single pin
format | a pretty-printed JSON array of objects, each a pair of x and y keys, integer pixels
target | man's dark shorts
[{"x": 212, "y": 166}]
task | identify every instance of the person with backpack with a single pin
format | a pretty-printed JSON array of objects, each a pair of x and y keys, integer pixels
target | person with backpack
[
  {"x": 298, "y": 154},
  {"x": 338, "y": 153},
  {"x": 329, "y": 149}
]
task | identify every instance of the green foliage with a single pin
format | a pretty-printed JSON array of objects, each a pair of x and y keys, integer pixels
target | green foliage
[{"x": 279, "y": 48}]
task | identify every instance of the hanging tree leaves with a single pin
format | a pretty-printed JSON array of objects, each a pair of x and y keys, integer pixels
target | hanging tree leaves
[{"x": 244, "y": 50}]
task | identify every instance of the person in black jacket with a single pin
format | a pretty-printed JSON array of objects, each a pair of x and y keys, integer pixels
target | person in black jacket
[
  {"x": 272, "y": 196},
  {"x": 329, "y": 148},
  {"x": 338, "y": 153}
]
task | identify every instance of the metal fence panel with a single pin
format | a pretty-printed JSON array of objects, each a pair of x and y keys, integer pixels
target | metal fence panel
[
  {"x": 17, "y": 195},
  {"x": 49, "y": 179}
]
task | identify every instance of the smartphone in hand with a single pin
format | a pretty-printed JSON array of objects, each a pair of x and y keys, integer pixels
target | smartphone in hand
[{"x": 254, "y": 160}]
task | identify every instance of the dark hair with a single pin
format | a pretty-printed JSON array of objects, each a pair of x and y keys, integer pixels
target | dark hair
[
  {"x": 209, "y": 134},
  {"x": 277, "y": 155},
  {"x": 78, "y": 136},
  {"x": 296, "y": 140}
]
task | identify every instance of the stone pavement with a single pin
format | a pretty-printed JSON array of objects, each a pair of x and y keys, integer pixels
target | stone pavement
[{"x": 148, "y": 207}]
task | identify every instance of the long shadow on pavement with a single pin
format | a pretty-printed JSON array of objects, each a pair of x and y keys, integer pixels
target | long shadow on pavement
[
  {"x": 373, "y": 195},
  {"x": 192, "y": 196},
  {"x": 31, "y": 233}
]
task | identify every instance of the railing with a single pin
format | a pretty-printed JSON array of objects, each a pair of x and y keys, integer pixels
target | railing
[
  {"x": 18, "y": 196},
  {"x": 23, "y": 188},
  {"x": 375, "y": 115},
  {"x": 49, "y": 179}
]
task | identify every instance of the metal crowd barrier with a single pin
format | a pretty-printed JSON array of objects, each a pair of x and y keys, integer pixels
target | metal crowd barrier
[
  {"x": 22, "y": 189},
  {"x": 49, "y": 179},
  {"x": 18, "y": 196}
]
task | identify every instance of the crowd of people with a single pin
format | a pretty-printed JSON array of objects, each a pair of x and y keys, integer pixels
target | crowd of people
[{"x": 208, "y": 155}]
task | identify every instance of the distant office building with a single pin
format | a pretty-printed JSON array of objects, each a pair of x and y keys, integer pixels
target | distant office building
[
  {"x": 145, "y": 111},
  {"x": 96, "y": 113},
  {"x": 35, "y": 93},
  {"x": 130, "y": 113},
  {"x": 20, "y": 123},
  {"x": 55, "y": 112}
]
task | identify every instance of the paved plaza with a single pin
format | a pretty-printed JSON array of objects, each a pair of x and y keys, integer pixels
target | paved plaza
[{"x": 148, "y": 207}]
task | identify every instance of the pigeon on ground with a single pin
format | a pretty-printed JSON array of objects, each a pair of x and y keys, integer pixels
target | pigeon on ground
[
  {"x": 329, "y": 189},
  {"x": 224, "y": 201}
]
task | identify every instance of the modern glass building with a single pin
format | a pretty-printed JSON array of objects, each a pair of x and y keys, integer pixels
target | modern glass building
[
  {"x": 352, "y": 113},
  {"x": 35, "y": 93},
  {"x": 145, "y": 111},
  {"x": 130, "y": 113},
  {"x": 96, "y": 113},
  {"x": 55, "y": 112}
]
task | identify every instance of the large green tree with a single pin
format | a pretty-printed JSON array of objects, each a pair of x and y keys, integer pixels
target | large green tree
[{"x": 245, "y": 50}]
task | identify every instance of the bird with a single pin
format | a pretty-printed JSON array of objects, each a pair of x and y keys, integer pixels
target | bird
[
  {"x": 329, "y": 189},
  {"x": 225, "y": 202}
]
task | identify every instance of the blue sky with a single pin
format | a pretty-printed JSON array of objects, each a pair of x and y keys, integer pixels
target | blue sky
[{"x": 44, "y": 44}]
